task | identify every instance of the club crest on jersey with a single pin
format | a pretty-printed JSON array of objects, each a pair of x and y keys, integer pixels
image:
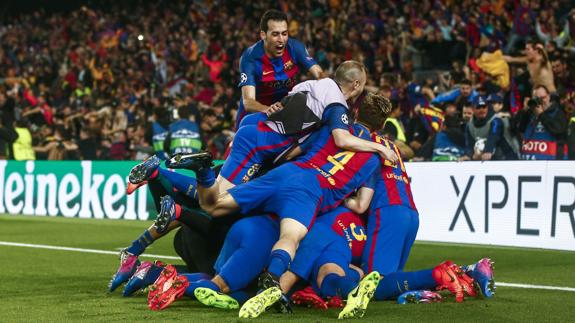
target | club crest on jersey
[
  {"x": 243, "y": 78},
  {"x": 288, "y": 65},
  {"x": 344, "y": 119}
]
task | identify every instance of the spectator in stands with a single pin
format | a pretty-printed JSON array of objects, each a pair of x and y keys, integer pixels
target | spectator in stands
[
  {"x": 22, "y": 146},
  {"x": 543, "y": 125},
  {"x": 447, "y": 145},
  {"x": 463, "y": 93},
  {"x": 538, "y": 64},
  {"x": 487, "y": 137},
  {"x": 57, "y": 145},
  {"x": 394, "y": 129}
]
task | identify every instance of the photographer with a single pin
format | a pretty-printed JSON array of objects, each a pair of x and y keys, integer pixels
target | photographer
[{"x": 543, "y": 125}]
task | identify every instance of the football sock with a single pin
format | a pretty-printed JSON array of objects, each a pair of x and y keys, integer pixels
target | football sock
[
  {"x": 206, "y": 177},
  {"x": 279, "y": 262},
  {"x": 395, "y": 284},
  {"x": 334, "y": 285},
  {"x": 206, "y": 283},
  {"x": 240, "y": 296},
  {"x": 181, "y": 183},
  {"x": 139, "y": 245}
]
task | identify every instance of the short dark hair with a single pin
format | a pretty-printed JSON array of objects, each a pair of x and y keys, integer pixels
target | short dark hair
[
  {"x": 466, "y": 82},
  {"x": 374, "y": 111},
  {"x": 274, "y": 15},
  {"x": 184, "y": 112}
]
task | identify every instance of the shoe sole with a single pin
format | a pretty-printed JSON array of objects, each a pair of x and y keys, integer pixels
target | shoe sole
[
  {"x": 174, "y": 292},
  {"x": 486, "y": 288},
  {"x": 137, "y": 174},
  {"x": 212, "y": 298},
  {"x": 258, "y": 304},
  {"x": 169, "y": 273},
  {"x": 163, "y": 220},
  {"x": 357, "y": 305}
]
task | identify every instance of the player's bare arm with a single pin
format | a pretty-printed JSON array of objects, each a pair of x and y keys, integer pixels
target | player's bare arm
[
  {"x": 360, "y": 202},
  {"x": 317, "y": 72},
  {"x": 345, "y": 140},
  {"x": 249, "y": 98},
  {"x": 515, "y": 60}
]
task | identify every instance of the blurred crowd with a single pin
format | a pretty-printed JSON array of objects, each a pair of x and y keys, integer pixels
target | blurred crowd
[{"x": 465, "y": 76}]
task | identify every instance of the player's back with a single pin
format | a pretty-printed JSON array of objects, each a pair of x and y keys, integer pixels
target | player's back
[
  {"x": 349, "y": 226},
  {"x": 393, "y": 187},
  {"x": 339, "y": 171}
]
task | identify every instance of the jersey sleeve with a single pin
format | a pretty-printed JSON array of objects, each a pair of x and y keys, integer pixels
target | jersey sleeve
[
  {"x": 302, "y": 56},
  {"x": 247, "y": 70},
  {"x": 335, "y": 117},
  {"x": 373, "y": 178}
]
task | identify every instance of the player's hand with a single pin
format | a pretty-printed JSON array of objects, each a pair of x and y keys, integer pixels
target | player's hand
[
  {"x": 486, "y": 156},
  {"x": 388, "y": 155},
  {"x": 274, "y": 108}
]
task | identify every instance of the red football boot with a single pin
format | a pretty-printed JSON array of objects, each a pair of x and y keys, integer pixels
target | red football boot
[
  {"x": 163, "y": 282},
  {"x": 308, "y": 297},
  {"x": 465, "y": 280},
  {"x": 171, "y": 293},
  {"x": 335, "y": 302},
  {"x": 446, "y": 278}
]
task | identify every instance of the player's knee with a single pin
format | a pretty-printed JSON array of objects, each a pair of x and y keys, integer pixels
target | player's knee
[
  {"x": 327, "y": 269},
  {"x": 292, "y": 230}
]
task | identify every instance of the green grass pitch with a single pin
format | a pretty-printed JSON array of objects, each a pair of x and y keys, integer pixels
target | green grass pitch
[{"x": 40, "y": 285}]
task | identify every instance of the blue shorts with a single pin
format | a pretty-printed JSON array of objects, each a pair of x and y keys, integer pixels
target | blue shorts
[
  {"x": 246, "y": 250},
  {"x": 253, "y": 145},
  {"x": 391, "y": 231},
  {"x": 287, "y": 191},
  {"x": 319, "y": 247}
]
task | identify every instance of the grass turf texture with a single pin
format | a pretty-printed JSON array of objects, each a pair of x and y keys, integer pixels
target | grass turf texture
[{"x": 51, "y": 285}]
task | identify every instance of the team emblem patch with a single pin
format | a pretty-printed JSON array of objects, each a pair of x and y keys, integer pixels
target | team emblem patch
[
  {"x": 344, "y": 119},
  {"x": 243, "y": 78}
]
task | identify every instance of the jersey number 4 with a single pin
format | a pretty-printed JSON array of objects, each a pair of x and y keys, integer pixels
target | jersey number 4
[{"x": 339, "y": 160}]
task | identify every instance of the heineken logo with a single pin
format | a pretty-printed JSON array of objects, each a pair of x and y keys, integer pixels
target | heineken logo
[{"x": 83, "y": 189}]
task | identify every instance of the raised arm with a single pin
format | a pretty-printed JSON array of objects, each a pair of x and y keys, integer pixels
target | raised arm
[
  {"x": 515, "y": 60},
  {"x": 249, "y": 98}
]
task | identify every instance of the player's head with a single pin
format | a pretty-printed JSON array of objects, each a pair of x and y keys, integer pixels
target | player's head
[
  {"x": 274, "y": 32},
  {"x": 351, "y": 77},
  {"x": 374, "y": 110}
]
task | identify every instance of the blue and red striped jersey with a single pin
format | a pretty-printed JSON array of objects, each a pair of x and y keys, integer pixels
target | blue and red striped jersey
[
  {"x": 349, "y": 226},
  {"x": 339, "y": 172},
  {"x": 392, "y": 188},
  {"x": 272, "y": 77}
]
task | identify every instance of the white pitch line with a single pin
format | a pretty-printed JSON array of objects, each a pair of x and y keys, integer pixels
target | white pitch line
[
  {"x": 107, "y": 252},
  {"x": 566, "y": 289}
]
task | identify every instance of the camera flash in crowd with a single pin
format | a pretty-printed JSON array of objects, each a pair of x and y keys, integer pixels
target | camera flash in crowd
[{"x": 140, "y": 37}]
